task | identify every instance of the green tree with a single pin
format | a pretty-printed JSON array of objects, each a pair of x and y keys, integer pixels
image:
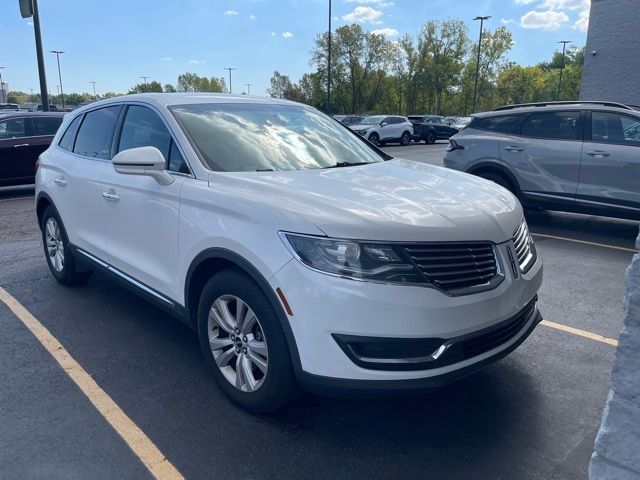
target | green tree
[
  {"x": 191, "y": 82},
  {"x": 153, "y": 86}
]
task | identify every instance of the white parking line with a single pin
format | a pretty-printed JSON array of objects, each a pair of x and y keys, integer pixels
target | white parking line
[
  {"x": 581, "y": 333},
  {"x": 140, "y": 444}
]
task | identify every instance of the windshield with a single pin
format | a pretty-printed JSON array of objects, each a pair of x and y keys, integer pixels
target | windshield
[
  {"x": 372, "y": 120},
  {"x": 254, "y": 137}
]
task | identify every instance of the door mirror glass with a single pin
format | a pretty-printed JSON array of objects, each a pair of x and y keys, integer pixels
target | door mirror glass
[
  {"x": 145, "y": 161},
  {"x": 383, "y": 124}
]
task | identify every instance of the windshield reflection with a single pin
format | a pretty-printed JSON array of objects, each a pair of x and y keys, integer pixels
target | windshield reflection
[{"x": 254, "y": 137}]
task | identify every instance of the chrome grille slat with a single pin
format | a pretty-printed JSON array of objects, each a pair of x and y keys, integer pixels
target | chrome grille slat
[{"x": 455, "y": 266}]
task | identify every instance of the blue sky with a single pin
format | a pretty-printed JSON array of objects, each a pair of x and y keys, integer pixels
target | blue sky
[{"x": 115, "y": 42}]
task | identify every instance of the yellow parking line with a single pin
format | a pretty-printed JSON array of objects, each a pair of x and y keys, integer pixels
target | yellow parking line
[
  {"x": 140, "y": 444},
  {"x": 582, "y": 333},
  {"x": 594, "y": 244}
]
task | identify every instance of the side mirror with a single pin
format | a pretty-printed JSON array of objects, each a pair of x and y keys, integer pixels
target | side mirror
[
  {"x": 383, "y": 124},
  {"x": 146, "y": 161}
]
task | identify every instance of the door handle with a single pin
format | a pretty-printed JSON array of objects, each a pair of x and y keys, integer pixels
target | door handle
[
  {"x": 112, "y": 197},
  {"x": 21, "y": 145},
  {"x": 598, "y": 153},
  {"x": 60, "y": 181},
  {"x": 513, "y": 148}
]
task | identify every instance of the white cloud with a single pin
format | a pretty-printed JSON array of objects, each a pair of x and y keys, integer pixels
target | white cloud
[
  {"x": 582, "y": 24},
  {"x": 524, "y": 2},
  {"x": 166, "y": 59},
  {"x": 379, "y": 3},
  {"x": 363, "y": 15},
  {"x": 231, "y": 13},
  {"x": 565, "y": 4},
  {"x": 196, "y": 62},
  {"x": 287, "y": 34},
  {"x": 387, "y": 32},
  {"x": 273, "y": 34},
  {"x": 252, "y": 17},
  {"x": 30, "y": 24},
  {"x": 506, "y": 21},
  {"x": 547, "y": 20}
]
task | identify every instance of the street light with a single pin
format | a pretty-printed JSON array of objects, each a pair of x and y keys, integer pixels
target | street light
[
  {"x": 564, "y": 49},
  {"x": 145, "y": 79},
  {"x": 230, "y": 70},
  {"x": 4, "y": 97},
  {"x": 329, "y": 64},
  {"x": 94, "y": 90},
  {"x": 58, "y": 53},
  {"x": 475, "y": 88},
  {"x": 248, "y": 88}
]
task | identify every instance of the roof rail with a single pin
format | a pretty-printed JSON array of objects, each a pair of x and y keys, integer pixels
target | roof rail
[{"x": 576, "y": 102}]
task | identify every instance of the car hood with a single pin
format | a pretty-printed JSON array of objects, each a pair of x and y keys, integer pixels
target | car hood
[
  {"x": 396, "y": 200},
  {"x": 357, "y": 127}
]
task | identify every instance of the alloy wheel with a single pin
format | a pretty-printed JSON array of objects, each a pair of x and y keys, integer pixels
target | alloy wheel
[
  {"x": 55, "y": 244},
  {"x": 237, "y": 343}
]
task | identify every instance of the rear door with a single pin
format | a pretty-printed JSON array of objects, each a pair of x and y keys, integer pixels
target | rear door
[
  {"x": 14, "y": 151},
  {"x": 610, "y": 172},
  {"x": 545, "y": 157}
]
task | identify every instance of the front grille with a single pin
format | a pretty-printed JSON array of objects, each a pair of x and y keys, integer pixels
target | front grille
[
  {"x": 525, "y": 250},
  {"x": 455, "y": 266}
]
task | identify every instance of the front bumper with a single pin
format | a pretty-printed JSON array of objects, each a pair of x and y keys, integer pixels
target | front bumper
[{"x": 329, "y": 311}]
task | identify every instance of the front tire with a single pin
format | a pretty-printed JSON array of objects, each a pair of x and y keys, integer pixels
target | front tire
[
  {"x": 60, "y": 259},
  {"x": 375, "y": 139},
  {"x": 243, "y": 343},
  {"x": 405, "y": 139}
]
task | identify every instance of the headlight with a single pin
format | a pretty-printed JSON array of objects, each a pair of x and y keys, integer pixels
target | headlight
[{"x": 352, "y": 259}]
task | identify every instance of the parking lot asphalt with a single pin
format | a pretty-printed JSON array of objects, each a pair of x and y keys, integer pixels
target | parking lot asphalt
[{"x": 532, "y": 415}]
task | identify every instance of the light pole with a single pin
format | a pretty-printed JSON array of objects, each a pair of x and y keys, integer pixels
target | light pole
[
  {"x": 230, "y": 70},
  {"x": 94, "y": 90},
  {"x": 58, "y": 53},
  {"x": 564, "y": 49},
  {"x": 475, "y": 88},
  {"x": 329, "y": 65},
  {"x": 31, "y": 98},
  {"x": 4, "y": 97},
  {"x": 248, "y": 88},
  {"x": 145, "y": 79}
]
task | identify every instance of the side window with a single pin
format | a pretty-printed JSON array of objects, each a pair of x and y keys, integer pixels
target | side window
[
  {"x": 509, "y": 124},
  {"x": 13, "y": 128},
  {"x": 176, "y": 161},
  {"x": 553, "y": 125},
  {"x": 96, "y": 133},
  {"x": 69, "y": 137},
  {"x": 615, "y": 128},
  {"x": 142, "y": 127},
  {"x": 45, "y": 125},
  {"x": 388, "y": 120}
]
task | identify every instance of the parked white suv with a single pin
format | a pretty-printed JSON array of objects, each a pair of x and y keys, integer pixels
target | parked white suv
[
  {"x": 301, "y": 254},
  {"x": 382, "y": 129}
]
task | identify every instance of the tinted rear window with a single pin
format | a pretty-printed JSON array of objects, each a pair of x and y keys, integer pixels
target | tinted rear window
[
  {"x": 45, "y": 125},
  {"x": 553, "y": 125},
  {"x": 69, "y": 136},
  {"x": 96, "y": 133},
  {"x": 509, "y": 124}
]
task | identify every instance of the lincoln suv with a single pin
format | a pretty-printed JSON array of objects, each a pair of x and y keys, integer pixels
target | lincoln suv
[{"x": 301, "y": 254}]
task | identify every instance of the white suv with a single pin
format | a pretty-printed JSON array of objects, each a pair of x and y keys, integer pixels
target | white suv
[
  {"x": 301, "y": 254},
  {"x": 382, "y": 129}
]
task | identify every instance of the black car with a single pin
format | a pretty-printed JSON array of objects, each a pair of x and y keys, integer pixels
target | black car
[
  {"x": 23, "y": 137},
  {"x": 430, "y": 128},
  {"x": 349, "y": 120}
]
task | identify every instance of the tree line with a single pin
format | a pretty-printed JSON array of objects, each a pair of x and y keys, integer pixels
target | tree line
[
  {"x": 431, "y": 72},
  {"x": 187, "y": 82}
]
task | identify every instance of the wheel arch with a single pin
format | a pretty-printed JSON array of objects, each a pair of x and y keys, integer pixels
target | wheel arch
[
  {"x": 496, "y": 168},
  {"x": 213, "y": 260},
  {"x": 43, "y": 201}
]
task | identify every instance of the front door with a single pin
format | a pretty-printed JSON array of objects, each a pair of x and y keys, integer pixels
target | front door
[
  {"x": 15, "y": 159},
  {"x": 140, "y": 215},
  {"x": 610, "y": 172}
]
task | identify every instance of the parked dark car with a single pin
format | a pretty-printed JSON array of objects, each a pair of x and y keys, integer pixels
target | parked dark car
[
  {"x": 23, "y": 137},
  {"x": 349, "y": 120},
  {"x": 430, "y": 128}
]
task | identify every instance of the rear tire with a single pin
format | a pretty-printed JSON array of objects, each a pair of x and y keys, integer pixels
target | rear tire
[
  {"x": 431, "y": 138},
  {"x": 60, "y": 259},
  {"x": 239, "y": 330},
  {"x": 405, "y": 139}
]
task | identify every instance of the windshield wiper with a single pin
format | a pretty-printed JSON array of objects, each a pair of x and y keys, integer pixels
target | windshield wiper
[
  {"x": 265, "y": 170},
  {"x": 347, "y": 164}
]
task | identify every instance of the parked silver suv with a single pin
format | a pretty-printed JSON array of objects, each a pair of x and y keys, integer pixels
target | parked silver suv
[{"x": 579, "y": 157}]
